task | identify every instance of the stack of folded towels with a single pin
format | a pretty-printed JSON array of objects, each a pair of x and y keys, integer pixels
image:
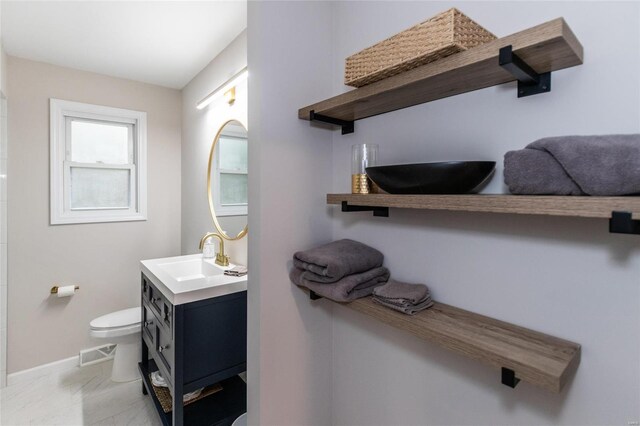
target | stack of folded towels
[
  {"x": 404, "y": 297},
  {"x": 342, "y": 271},
  {"x": 576, "y": 165}
]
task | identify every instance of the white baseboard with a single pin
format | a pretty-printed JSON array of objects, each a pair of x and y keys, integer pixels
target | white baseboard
[{"x": 42, "y": 370}]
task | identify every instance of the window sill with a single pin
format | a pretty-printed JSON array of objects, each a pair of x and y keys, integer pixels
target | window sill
[{"x": 71, "y": 220}]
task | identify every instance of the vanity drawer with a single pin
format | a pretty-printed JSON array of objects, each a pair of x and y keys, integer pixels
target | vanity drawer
[
  {"x": 149, "y": 321},
  {"x": 160, "y": 306},
  {"x": 164, "y": 352}
]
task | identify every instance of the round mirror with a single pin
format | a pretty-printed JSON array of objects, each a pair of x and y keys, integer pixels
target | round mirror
[{"x": 227, "y": 178}]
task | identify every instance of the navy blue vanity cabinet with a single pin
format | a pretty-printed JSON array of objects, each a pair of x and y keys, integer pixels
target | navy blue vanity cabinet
[{"x": 195, "y": 345}]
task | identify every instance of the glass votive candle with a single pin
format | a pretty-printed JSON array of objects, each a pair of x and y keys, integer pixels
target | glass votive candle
[{"x": 362, "y": 156}]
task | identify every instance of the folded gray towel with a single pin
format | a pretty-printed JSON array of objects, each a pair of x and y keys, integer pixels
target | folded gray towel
[
  {"x": 237, "y": 271},
  {"x": 409, "y": 310},
  {"x": 331, "y": 262},
  {"x": 403, "y": 303},
  {"x": 576, "y": 165},
  {"x": 400, "y": 293},
  {"x": 347, "y": 289}
]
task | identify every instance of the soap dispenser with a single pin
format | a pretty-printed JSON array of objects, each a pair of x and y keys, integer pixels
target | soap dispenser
[{"x": 209, "y": 250}]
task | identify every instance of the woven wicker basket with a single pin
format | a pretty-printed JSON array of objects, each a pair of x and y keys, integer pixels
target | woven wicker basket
[{"x": 445, "y": 34}]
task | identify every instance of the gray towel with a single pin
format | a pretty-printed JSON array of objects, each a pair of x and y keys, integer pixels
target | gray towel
[
  {"x": 592, "y": 165},
  {"x": 331, "y": 262},
  {"x": 401, "y": 293},
  {"x": 347, "y": 289},
  {"x": 409, "y": 310}
]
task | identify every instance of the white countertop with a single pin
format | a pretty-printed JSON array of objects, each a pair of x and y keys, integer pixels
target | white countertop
[{"x": 185, "y": 279}]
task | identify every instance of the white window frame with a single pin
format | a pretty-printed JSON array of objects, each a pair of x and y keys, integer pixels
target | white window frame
[
  {"x": 61, "y": 114},
  {"x": 227, "y": 209}
]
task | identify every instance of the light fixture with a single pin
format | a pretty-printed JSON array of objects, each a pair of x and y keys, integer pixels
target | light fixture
[
  {"x": 230, "y": 95},
  {"x": 227, "y": 86}
]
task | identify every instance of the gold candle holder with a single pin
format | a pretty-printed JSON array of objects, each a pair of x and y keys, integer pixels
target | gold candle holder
[
  {"x": 363, "y": 156},
  {"x": 359, "y": 184}
]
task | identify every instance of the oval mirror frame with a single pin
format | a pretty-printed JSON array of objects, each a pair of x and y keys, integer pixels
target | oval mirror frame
[{"x": 212, "y": 209}]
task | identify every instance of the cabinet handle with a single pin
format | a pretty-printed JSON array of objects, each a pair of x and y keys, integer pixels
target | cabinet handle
[
  {"x": 162, "y": 348},
  {"x": 148, "y": 323}
]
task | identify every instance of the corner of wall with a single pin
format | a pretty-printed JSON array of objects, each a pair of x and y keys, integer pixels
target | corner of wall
[
  {"x": 199, "y": 128},
  {"x": 290, "y": 344}
]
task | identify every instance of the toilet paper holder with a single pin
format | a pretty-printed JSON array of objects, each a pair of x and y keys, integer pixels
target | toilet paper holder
[{"x": 54, "y": 289}]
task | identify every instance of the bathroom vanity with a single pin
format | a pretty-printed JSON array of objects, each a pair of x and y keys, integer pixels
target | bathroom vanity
[{"x": 194, "y": 332}]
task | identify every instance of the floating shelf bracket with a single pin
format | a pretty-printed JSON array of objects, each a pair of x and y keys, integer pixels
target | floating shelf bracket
[
  {"x": 509, "y": 377},
  {"x": 377, "y": 211},
  {"x": 529, "y": 81},
  {"x": 347, "y": 126},
  {"x": 313, "y": 295},
  {"x": 622, "y": 223}
]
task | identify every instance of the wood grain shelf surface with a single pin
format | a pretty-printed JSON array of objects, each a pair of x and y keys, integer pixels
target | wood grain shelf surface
[
  {"x": 575, "y": 206},
  {"x": 536, "y": 358},
  {"x": 547, "y": 47}
]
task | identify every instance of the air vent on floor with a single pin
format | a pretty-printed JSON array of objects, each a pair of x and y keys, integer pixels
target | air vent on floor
[{"x": 97, "y": 354}]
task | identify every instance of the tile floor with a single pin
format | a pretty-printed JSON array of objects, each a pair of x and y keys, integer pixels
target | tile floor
[{"x": 77, "y": 396}]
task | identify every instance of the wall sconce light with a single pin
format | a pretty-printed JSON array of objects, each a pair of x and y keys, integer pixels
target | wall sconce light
[
  {"x": 226, "y": 87},
  {"x": 230, "y": 95}
]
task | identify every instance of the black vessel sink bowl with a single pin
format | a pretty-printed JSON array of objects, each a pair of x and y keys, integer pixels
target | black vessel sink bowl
[{"x": 449, "y": 177}]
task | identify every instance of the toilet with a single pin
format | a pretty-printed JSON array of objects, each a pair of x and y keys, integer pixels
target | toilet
[
  {"x": 123, "y": 329},
  {"x": 241, "y": 421}
]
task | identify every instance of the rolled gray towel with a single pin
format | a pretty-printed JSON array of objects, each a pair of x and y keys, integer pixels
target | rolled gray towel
[
  {"x": 401, "y": 293},
  {"x": 330, "y": 262},
  {"x": 592, "y": 165},
  {"x": 409, "y": 310},
  {"x": 347, "y": 289}
]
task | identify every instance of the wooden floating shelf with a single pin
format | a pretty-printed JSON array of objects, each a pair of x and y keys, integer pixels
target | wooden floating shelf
[
  {"x": 535, "y": 358},
  {"x": 547, "y": 47},
  {"x": 551, "y": 205}
]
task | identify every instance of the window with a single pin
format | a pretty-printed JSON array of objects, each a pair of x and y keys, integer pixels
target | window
[
  {"x": 98, "y": 163},
  {"x": 230, "y": 196}
]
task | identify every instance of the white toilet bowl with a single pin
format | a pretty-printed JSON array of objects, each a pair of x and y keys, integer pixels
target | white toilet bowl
[
  {"x": 123, "y": 329},
  {"x": 241, "y": 421}
]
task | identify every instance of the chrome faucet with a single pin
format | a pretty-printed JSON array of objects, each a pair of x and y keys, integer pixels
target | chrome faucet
[{"x": 221, "y": 258}]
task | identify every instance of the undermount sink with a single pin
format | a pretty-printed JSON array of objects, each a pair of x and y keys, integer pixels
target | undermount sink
[
  {"x": 191, "y": 269},
  {"x": 185, "y": 279}
]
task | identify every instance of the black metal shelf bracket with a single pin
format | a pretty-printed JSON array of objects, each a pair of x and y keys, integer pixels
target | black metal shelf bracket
[
  {"x": 377, "y": 211},
  {"x": 529, "y": 81},
  {"x": 623, "y": 223},
  {"x": 347, "y": 126},
  {"x": 313, "y": 295},
  {"x": 509, "y": 377}
]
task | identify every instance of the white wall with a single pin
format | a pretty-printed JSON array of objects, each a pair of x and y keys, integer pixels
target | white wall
[
  {"x": 289, "y": 353},
  {"x": 199, "y": 128},
  {"x": 103, "y": 259},
  {"x": 563, "y": 276}
]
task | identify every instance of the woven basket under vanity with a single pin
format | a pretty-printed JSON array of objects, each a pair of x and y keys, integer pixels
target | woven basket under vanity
[{"x": 445, "y": 34}]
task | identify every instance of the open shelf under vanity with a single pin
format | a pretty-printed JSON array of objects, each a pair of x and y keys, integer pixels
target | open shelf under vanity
[{"x": 220, "y": 408}]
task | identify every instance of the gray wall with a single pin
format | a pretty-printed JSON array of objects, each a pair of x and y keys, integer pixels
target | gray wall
[
  {"x": 289, "y": 354},
  {"x": 324, "y": 364},
  {"x": 3, "y": 219},
  {"x": 563, "y": 276},
  {"x": 103, "y": 259},
  {"x": 199, "y": 128}
]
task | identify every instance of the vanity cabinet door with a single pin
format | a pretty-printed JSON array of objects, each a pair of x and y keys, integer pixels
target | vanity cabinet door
[{"x": 215, "y": 336}]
